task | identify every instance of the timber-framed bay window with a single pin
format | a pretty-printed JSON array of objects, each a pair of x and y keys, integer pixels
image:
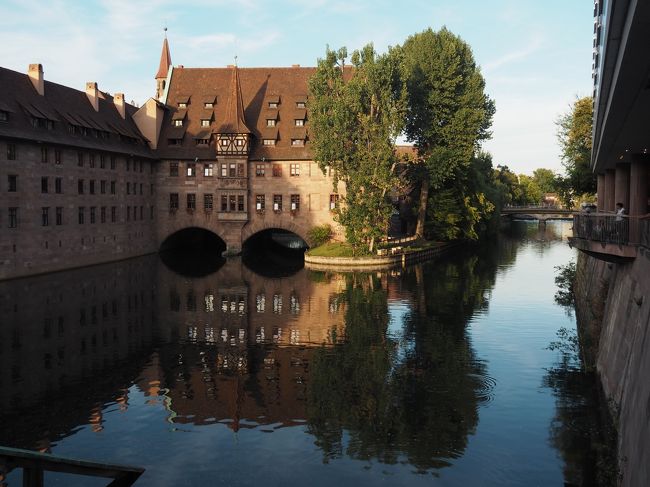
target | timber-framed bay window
[
  {"x": 231, "y": 203},
  {"x": 232, "y": 170}
]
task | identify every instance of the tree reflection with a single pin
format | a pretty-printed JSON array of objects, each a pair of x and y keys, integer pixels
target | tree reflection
[{"x": 376, "y": 396}]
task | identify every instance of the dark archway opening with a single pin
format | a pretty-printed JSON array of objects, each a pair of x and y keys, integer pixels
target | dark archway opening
[
  {"x": 274, "y": 253},
  {"x": 193, "y": 252}
]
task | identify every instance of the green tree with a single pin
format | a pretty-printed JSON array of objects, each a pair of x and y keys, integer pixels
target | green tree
[
  {"x": 574, "y": 135},
  {"x": 546, "y": 180},
  {"x": 448, "y": 114},
  {"x": 356, "y": 114},
  {"x": 531, "y": 192}
]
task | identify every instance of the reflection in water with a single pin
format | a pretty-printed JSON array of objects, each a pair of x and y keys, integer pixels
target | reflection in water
[{"x": 342, "y": 368}]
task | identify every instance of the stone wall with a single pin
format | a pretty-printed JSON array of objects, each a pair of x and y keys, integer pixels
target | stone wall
[
  {"x": 39, "y": 241},
  {"x": 613, "y": 311}
]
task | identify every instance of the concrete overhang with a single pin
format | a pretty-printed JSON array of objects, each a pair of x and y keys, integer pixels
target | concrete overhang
[
  {"x": 622, "y": 119},
  {"x": 608, "y": 252}
]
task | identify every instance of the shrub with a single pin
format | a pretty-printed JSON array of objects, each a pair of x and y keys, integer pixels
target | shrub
[{"x": 319, "y": 235}]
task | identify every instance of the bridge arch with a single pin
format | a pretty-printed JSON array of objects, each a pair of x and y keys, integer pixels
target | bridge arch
[
  {"x": 191, "y": 237},
  {"x": 259, "y": 227},
  {"x": 193, "y": 251}
]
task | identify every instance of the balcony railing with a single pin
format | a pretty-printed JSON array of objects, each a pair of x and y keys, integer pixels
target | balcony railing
[{"x": 614, "y": 229}]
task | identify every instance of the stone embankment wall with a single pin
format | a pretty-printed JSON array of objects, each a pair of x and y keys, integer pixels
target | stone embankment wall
[{"x": 613, "y": 313}]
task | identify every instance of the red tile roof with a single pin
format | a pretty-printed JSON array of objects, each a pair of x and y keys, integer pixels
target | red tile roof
[
  {"x": 165, "y": 61},
  {"x": 258, "y": 88},
  {"x": 64, "y": 107}
]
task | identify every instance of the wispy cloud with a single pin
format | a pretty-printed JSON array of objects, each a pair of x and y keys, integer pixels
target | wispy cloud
[{"x": 516, "y": 55}]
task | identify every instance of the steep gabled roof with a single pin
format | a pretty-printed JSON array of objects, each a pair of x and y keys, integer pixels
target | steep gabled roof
[{"x": 234, "y": 121}]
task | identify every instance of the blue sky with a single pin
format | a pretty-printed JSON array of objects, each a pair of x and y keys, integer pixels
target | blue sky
[{"x": 534, "y": 55}]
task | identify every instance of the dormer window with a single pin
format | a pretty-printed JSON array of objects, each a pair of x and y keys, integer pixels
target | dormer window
[
  {"x": 300, "y": 122},
  {"x": 297, "y": 142},
  {"x": 273, "y": 104},
  {"x": 270, "y": 122},
  {"x": 208, "y": 105},
  {"x": 182, "y": 104},
  {"x": 202, "y": 141},
  {"x": 174, "y": 141},
  {"x": 301, "y": 104},
  {"x": 177, "y": 123},
  {"x": 205, "y": 122},
  {"x": 268, "y": 142},
  {"x": 4, "y": 116}
]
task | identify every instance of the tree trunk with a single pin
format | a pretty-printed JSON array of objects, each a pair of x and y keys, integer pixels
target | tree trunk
[{"x": 422, "y": 210}]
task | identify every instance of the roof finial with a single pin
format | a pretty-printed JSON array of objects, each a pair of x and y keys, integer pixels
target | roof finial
[{"x": 235, "y": 59}]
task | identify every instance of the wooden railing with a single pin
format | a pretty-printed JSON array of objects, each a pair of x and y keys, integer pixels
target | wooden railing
[{"x": 34, "y": 464}]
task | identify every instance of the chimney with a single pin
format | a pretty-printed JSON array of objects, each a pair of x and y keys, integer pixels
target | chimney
[
  {"x": 295, "y": 65},
  {"x": 118, "y": 99},
  {"x": 35, "y": 74},
  {"x": 92, "y": 94}
]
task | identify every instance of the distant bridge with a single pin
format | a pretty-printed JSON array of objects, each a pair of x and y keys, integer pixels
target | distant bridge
[{"x": 540, "y": 213}]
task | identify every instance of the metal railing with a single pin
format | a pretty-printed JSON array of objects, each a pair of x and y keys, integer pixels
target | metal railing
[{"x": 608, "y": 228}]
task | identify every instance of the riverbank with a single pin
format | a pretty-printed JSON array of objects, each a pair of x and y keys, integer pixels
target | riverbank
[
  {"x": 613, "y": 316},
  {"x": 392, "y": 258}
]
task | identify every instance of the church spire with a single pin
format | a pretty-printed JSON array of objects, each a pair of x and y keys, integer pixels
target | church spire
[{"x": 163, "y": 68}]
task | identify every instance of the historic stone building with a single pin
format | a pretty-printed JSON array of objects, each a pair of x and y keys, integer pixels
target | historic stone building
[{"x": 87, "y": 178}]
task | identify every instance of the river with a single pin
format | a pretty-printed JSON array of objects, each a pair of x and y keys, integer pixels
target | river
[{"x": 435, "y": 374}]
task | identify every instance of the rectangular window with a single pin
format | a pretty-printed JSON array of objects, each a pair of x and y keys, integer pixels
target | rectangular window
[
  {"x": 128, "y": 187},
  {"x": 240, "y": 170},
  {"x": 295, "y": 202},
  {"x": 208, "y": 105},
  {"x": 268, "y": 141},
  {"x": 113, "y": 214},
  {"x": 294, "y": 169},
  {"x": 80, "y": 159},
  {"x": 232, "y": 200},
  {"x": 11, "y": 152},
  {"x": 102, "y": 186},
  {"x": 91, "y": 188},
  {"x": 260, "y": 202},
  {"x": 207, "y": 202},
  {"x": 141, "y": 212},
  {"x": 57, "y": 156},
  {"x": 205, "y": 123},
  {"x": 191, "y": 170},
  {"x": 224, "y": 202},
  {"x": 270, "y": 122},
  {"x": 173, "y": 201},
  {"x": 232, "y": 170},
  {"x": 151, "y": 212},
  {"x": 277, "y": 202},
  {"x": 207, "y": 170},
  {"x": 128, "y": 213},
  {"x": 300, "y": 104},
  {"x": 128, "y": 164},
  {"x": 92, "y": 214},
  {"x": 59, "y": 215},
  {"x": 82, "y": 213},
  {"x": 240, "y": 202},
  {"x": 173, "y": 168},
  {"x": 4, "y": 116},
  {"x": 12, "y": 183},
  {"x": 273, "y": 104},
  {"x": 45, "y": 216},
  {"x": 334, "y": 201},
  {"x": 182, "y": 104},
  {"x": 112, "y": 187},
  {"x": 260, "y": 170},
  {"x": 91, "y": 160},
  {"x": 43, "y": 154},
  {"x": 58, "y": 185},
  {"x": 112, "y": 162},
  {"x": 224, "y": 170},
  {"x": 177, "y": 123},
  {"x": 277, "y": 170},
  {"x": 297, "y": 142},
  {"x": 44, "y": 185},
  {"x": 191, "y": 201},
  {"x": 141, "y": 192},
  {"x": 102, "y": 214},
  {"x": 13, "y": 217},
  {"x": 102, "y": 161},
  {"x": 300, "y": 122},
  {"x": 80, "y": 186}
]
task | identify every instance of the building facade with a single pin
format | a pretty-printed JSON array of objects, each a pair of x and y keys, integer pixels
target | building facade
[{"x": 87, "y": 178}]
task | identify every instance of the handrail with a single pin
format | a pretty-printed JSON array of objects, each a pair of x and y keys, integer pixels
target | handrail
[
  {"x": 35, "y": 463},
  {"x": 611, "y": 228}
]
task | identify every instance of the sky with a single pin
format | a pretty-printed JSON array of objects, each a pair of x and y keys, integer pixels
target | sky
[{"x": 534, "y": 55}]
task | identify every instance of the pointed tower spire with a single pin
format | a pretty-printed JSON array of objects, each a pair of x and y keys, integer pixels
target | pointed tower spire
[
  {"x": 234, "y": 119},
  {"x": 163, "y": 68}
]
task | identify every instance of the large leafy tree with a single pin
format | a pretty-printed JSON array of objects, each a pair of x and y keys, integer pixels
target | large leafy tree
[
  {"x": 356, "y": 114},
  {"x": 448, "y": 115},
  {"x": 574, "y": 135}
]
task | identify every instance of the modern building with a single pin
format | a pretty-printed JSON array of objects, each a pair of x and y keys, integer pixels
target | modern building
[{"x": 87, "y": 178}]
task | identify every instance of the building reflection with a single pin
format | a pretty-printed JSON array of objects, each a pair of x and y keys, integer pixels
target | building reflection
[{"x": 68, "y": 342}]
